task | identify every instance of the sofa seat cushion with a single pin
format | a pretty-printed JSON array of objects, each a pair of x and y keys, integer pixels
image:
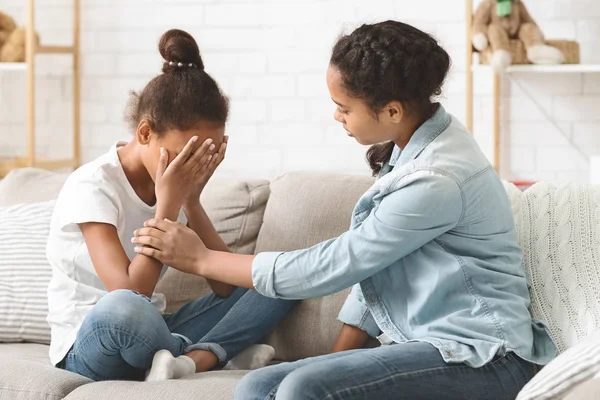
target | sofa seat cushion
[
  {"x": 217, "y": 385},
  {"x": 26, "y": 374},
  {"x": 304, "y": 209}
]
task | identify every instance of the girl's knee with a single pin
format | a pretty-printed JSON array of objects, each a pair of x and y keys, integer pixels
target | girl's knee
[{"x": 121, "y": 307}]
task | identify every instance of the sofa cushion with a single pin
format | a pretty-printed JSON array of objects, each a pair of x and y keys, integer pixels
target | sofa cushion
[
  {"x": 30, "y": 185},
  {"x": 559, "y": 231},
  {"x": 219, "y": 385},
  {"x": 576, "y": 365},
  {"x": 236, "y": 209},
  {"x": 26, "y": 374},
  {"x": 24, "y": 272},
  {"x": 304, "y": 209}
]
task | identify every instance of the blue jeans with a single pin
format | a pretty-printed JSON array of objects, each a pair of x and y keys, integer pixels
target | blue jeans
[
  {"x": 412, "y": 371},
  {"x": 120, "y": 336}
]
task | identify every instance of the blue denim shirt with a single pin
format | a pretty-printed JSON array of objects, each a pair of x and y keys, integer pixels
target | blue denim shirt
[{"x": 432, "y": 253}]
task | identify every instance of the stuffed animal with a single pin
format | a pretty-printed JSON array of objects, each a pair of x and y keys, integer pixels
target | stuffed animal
[
  {"x": 14, "y": 47},
  {"x": 496, "y": 22},
  {"x": 7, "y": 25}
]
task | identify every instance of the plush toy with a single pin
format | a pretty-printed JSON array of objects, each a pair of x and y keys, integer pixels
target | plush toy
[
  {"x": 14, "y": 47},
  {"x": 7, "y": 25},
  {"x": 496, "y": 22}
]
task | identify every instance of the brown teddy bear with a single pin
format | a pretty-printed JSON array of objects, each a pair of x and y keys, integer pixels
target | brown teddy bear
[
  {"x": 7, "y": 25},
  {"x": 496, "y": 22},
  {"x": 14, "y": 47}
]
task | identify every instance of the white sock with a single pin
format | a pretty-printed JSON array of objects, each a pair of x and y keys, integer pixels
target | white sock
[
  {"x": 254, "y": 357},
  {"x": 165, "y": 366}
]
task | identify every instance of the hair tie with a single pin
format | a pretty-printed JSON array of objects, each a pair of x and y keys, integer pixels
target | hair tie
[{"x": 180, "y": 64}]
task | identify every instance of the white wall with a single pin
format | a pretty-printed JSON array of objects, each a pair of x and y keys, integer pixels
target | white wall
[{"x": 270, "y": 57}]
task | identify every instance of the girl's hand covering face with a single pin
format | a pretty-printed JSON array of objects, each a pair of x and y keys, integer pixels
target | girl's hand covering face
[
  {"x": 214, "y": 160},
  {"x": 184, "y": 178}
]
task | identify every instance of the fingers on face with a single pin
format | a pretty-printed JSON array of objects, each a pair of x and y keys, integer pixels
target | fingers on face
[
  {"x": 188, "y": 150},
  {"x": 203, "y": 153}
]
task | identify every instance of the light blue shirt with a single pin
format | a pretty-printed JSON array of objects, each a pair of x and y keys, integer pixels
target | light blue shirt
[{"x": 432, "y": 253}]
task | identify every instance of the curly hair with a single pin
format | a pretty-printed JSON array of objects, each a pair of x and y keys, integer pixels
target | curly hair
[
  {"x": 183, "y": 95},
  {"x": 390, "y": 61}
]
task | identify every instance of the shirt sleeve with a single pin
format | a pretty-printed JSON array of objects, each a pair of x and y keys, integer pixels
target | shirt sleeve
[
  {"x": 424, "y": 205},
  {"x": 355, "y": 312},
  {"x": 86, "y": 201}
]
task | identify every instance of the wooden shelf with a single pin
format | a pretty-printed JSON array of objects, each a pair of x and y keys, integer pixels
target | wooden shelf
[
  {"x": 512, "y": 73},
  {"x": 32, "y": 49},
  {"x": 21, "y": 66},
  {"x": 550, "y": 69}
]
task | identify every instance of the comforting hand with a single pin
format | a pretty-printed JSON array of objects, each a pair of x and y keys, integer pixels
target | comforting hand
[
  {"x": 172, "y": 243},
  {"x": 178, "y": 180},
  {"x": 214, "y": 160}
]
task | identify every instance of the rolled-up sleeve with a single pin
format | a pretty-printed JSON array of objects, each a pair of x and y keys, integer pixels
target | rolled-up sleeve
[
  {"x": 355, "y": 312},
  {"x": 424, "y": 205}
]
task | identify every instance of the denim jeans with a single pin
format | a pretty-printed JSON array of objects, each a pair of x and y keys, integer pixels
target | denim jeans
[
  {"x": 120, "y": 336},
  {"x": 412, "y": 371}
]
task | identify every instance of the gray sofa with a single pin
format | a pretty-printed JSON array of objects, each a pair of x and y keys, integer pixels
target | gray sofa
[{"x": 293, "y": 211}]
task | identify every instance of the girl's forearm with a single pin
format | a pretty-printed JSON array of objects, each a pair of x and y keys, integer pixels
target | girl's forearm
[
  {"x": 167, "y": 210},
  {"x": 144, "y": 271},
  {"x": 200, "y": 223},
  {"x": 143, "y": 274}
]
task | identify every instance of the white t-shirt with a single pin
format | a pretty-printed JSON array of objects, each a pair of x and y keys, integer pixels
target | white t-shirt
[{"x": 96, "y": 192}]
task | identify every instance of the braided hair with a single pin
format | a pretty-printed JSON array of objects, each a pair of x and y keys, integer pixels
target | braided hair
[
  {"x": 391, "y": 61},
  {"x": 183, "y": 95}
]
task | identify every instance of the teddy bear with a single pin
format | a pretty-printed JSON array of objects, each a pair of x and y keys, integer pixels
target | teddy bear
[
  {"x": 496, "y": 22},
  {"x": 7, "y": 25},
  {"x": 14, "y": 46}
]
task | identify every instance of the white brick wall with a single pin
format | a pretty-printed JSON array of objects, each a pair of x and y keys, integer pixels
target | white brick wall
[{"x": 270, "y": 57}]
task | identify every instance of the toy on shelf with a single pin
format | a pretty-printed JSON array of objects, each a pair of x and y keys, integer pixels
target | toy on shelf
[
  {"x": 505, "y": 30},
  {"x": 13, "y": 40},
  {"x": 13, "y": 49},
  {"x": 7, "y": 25}
]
